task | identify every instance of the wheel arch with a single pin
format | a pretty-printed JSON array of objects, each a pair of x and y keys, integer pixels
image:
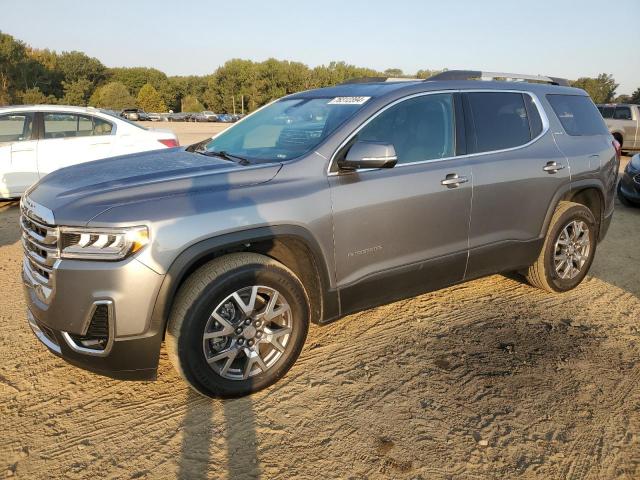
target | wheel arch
[
  {"x": 293, "y": 246},
  {"x": 589, "y": 193},
  {"x": 618, "y": 135}
]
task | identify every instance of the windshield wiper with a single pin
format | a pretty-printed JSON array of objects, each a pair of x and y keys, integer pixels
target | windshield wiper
[{"x": 224, "y": 155}]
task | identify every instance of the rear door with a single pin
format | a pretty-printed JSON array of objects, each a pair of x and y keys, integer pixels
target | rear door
[
  {"x": 517, "y": 170},
  {"x": 400, "y": 231},
  {"x": 70, "y": 138},
  {"x": 18, "y": 165}
]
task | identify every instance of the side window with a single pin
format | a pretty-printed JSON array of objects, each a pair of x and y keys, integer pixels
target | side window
[
  {"x": 607, "y": 112},
  {"x": 499, "y": 120},
  {"x": 577, "y": 114},
  {"x": 60, "y": 125},
  {"x": 535, "y": 121},
  {"x": 16, "y": 127},
  {"x": 421, "y": 128},
  {"x": 101, "y": 127},
  {"x": 85, "y": 126},
  {"x": 622, "y": 113}
]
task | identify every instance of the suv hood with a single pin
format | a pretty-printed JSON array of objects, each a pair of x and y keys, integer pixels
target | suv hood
[{"x": 78, "y": 193}]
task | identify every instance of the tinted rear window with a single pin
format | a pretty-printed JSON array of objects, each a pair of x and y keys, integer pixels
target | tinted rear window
[
  {"x": 578, "y": 115},
  {"x": 607, "y": 112},
  {"x": 499, "y": 120}
]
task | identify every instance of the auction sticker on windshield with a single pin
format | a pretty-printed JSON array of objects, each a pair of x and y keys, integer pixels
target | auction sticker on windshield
[{"x": 348, "y": 100}]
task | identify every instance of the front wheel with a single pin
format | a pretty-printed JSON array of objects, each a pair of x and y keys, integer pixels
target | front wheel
[
  {"x": 238, "y": 324},
  {"x": 568, "y": 249}
]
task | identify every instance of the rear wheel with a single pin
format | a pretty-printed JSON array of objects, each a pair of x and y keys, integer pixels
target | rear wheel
[
  {"x": 568, "y": 249},
  {"x": 238, "y": 325}
]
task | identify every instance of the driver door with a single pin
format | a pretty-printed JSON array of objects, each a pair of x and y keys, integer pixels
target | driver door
[{"x": 400, "y": 231}]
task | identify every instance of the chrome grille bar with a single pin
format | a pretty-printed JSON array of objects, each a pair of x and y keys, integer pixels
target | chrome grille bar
[{"x": 40, "y": 245}]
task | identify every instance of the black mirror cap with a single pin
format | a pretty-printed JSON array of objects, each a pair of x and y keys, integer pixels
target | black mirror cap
[{"x": 369, "y": 155}]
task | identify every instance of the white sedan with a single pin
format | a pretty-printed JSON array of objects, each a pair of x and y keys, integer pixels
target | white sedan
[{"x": 38, "y": 139}]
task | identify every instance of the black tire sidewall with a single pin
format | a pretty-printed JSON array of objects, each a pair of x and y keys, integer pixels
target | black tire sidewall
[
  {"x": 577, "y": 212},
  {"x": 190, "y": 349}
]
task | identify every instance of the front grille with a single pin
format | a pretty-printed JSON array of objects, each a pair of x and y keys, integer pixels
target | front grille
[
  {"x": 40, "y": 245},
  {"x": 637, "y": 179},
  {"x": 97, "y": 336}
]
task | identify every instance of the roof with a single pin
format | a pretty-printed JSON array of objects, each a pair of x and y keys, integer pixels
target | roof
[{"x": 54, "y": 108}]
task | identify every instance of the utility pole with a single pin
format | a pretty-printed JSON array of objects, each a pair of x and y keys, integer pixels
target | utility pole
[
  {"x": 242, "y": 99},
  {"x": 233, "y": 98}
]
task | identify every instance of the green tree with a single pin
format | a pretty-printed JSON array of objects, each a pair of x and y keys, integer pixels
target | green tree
[
  {"x": 635, "y": 96},
  {"x": 190, "y": 103},
  {"x": 150, "y": 100},
  {"x": 601, "y": 89},
  {"x": 231, "y": 81},
  {"x": 136, "y": 77},
  {"x": 424, "y": 74},
  {"x": 33, "y": 96},
  {"x": 76, "y": 65},
  {"x": 113, "y": 95},
  {"x": 12, "y": 57},
  {"x": 394, "y": 72},
  {"x": 78, "y": 92}
]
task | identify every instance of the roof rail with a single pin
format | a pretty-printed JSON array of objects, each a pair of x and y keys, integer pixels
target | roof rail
[
  {"x": 476, "y": 74},
  {"x": 379, "y": 80}
]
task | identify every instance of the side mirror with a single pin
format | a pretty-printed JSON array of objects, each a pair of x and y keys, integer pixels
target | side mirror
[{"x": 369, "y": 155}]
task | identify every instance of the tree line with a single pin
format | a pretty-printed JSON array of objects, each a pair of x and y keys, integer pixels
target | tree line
[{"x": 42, "y": 76}]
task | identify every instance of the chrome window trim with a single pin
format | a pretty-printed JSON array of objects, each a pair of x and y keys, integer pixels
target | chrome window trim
[
  {"x": 534, "y": 97},
  {"x": 111, "y": 322}
]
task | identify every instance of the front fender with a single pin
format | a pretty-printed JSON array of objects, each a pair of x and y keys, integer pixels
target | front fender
[{"x": 197, "y": 253}]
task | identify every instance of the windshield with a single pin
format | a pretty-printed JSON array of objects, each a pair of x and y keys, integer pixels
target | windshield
[{"x": 285, "y": 129}]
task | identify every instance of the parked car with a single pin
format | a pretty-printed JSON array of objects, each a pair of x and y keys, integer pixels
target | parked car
[
  {"x": 623, "y": 121},
  {"x": 135, "y": 114},
  {"x": 229, "y": 248},
  {"x": 225, "y": 118},
  {"x": 177, "y": 117},
  {"x": 629, "y": 186},
  {"x": 157, "y": 117},
  {"x": 38, "y": 139}
]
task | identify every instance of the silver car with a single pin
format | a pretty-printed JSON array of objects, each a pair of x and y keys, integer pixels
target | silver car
[
  {"x": 623, "y": 121},
  {"x": 321, "y": 204}
]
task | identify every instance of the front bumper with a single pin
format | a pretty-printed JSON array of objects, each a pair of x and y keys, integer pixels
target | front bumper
[
  {"x": 630, "y": 184},
  {"x": 127, "y": 289}
]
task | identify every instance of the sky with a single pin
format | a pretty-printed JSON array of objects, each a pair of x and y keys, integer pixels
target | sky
[{"x": 560, "y": 38}]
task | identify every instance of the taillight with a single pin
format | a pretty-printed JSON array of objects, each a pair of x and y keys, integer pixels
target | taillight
[
  {"x": 169, "y": 142},
  {"x": 618, "y": 147}
]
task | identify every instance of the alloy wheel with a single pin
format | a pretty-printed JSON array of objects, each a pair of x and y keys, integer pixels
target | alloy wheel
[
  {"x": 248, "y": 332},
  {"x": 572, "y": 249}
]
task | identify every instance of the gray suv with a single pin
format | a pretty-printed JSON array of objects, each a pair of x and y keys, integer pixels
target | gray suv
[{"x": 321, "y": 204}]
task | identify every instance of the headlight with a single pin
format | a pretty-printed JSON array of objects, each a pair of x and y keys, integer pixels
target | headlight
[{"x": 101, "y": 243}]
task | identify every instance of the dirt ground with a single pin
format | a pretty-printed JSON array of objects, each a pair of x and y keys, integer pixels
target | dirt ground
[{"x": 489, "y": 379}]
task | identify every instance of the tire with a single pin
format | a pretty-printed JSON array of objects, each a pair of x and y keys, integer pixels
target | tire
[
  {"x": 624, "y": 200},
  {"x": 211, "y": 290},
  {"x": 543, "y": 273}
]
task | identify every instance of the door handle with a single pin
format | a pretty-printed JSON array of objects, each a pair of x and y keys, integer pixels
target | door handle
[
  {"x": 452, "y": 180},
  {"x": 552, "y": 167}
]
